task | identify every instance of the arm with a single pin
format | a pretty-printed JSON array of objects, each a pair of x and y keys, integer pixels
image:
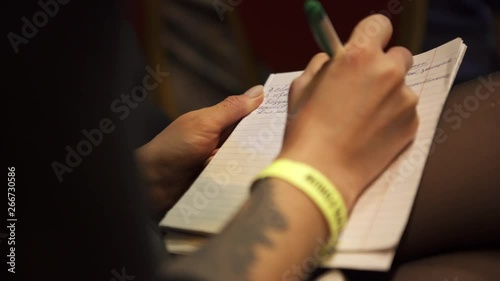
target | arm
[
  {"x": 277, "y": 227},
  {"x": 351, "y": 117}
]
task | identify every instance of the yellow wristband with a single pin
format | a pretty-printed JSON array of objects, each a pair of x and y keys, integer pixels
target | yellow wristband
[{"x": 317, "y": 187}]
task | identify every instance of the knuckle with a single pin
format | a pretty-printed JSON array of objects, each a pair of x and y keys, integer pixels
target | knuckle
[
  {"x": 360, "y": 56},
  {"x": 233, "y": 103},
  {"x": 360, "y": 43},
  {"x": 411, "y": 100},
  {"x": 298, "y": 84},
  {"x": 189, "y": 117},
  {"x": 359, "y": 52},
  {"x": 392, "y": 72},
  {"x": 352, "y": 56},
  {"x": 193, "y": 119}
]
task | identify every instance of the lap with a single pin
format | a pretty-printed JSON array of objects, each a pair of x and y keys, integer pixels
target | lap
[
  {"x": 456, "y": 207},
  {"x": 469, "y": 265}
]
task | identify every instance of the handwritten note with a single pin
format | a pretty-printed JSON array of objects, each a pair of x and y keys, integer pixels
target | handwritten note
[
  {"x": 224, "y": 184},
  {"x": 381, "y": 213}
]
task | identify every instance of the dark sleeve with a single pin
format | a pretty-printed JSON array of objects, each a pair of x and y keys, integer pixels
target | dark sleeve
[
  {"x": 80, "y": 207},
  {"x": 494, "y": 5}
]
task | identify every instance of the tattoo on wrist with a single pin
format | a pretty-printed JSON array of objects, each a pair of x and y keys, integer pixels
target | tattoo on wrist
[{"x": 230, "y": 255}]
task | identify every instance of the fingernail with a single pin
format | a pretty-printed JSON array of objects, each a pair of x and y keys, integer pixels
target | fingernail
[{"x": 255, "y": 91}]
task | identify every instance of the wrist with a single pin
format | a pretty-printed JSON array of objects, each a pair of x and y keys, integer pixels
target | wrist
[
  {"x": 317, "y": 187},
  {"x": 304, "y": 219},
  {"x": 336, "y": 173}
]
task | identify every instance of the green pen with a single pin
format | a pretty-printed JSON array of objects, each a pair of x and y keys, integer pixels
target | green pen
[{"x": 322, "y": 28}]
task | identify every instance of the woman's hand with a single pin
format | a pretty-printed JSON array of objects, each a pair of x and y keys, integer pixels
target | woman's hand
[
  {"x": 351, "y": 116},
  {"x": 173, "y": 159}
]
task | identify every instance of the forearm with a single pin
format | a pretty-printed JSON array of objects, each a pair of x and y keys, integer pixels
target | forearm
[{"x": 279, "y": 233}]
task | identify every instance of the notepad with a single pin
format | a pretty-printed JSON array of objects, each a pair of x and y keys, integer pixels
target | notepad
[{"x": 378, "y": 220}]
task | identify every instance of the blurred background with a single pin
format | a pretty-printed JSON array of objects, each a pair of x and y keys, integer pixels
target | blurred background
[{"x": 216, "y": 48}]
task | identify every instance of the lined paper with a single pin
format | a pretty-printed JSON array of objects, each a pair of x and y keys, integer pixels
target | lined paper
[
  {"x": 222, "y": 187},
  {"x": 380, "y": 216},
  {"x": 381, "y": 213}
]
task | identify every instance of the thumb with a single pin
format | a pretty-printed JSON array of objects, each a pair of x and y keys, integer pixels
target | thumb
[{"x": 233, "y": 108}]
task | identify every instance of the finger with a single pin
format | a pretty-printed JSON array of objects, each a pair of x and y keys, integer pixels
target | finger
[
  {"x": 402, "y": 56},
  {"x": 316, "y": 64},
  {"x": 297, "y": 90},
  {"x": 233, "y": 108},
  {"x": 372, "y": 32}
]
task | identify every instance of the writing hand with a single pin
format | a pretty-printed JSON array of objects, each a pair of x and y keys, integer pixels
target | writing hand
[{"x": 351, "y": 116}]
